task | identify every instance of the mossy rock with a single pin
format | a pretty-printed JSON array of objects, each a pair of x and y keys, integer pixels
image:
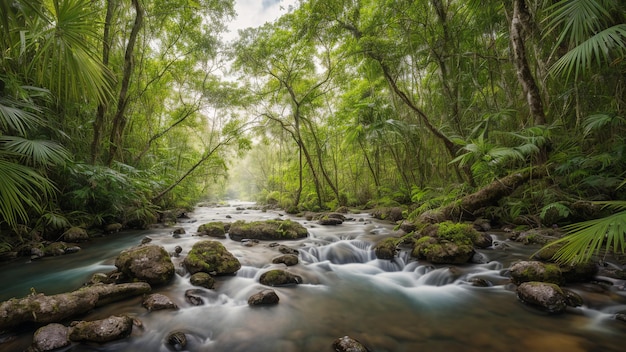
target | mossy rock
[
  {"x": 55, "y": 248},
  {"x": 211, "y": 257},
  {"x": 215, "y": 229},
  {"x": 279, "y": 278},
  {"x": 387, "y": 248},
  {"x": 269, "y": 230},
  {"x": 75, "y": 234},
  {"x": 203, "y": 280},
  {"x": 546, "y": 296},
  {"x": 527, "y": 271},
  {"x": 149, "y": 263},
  {"x": 446, "y": 243}
]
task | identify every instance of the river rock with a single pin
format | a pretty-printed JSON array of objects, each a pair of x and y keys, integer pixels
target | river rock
[
  {"x": 482, "y": 240},
  {"x": 580, "y": 272},
  {"x": 212, "y": 229},
  {"x": 212, "y": 258},
  {"x": 328, "y": 221},
  {"x": 439, "y": 251},
  {"x": 287, "y": 259},
  {"x": 287, "y": 250},
  {"x": 112, "y": 228},
  {"x": 545, "y": 296},
  {"x": 177, "y": 340},
  {"x": 279, "y": 277},
  {"x": 55, "y": 249},
  {"x": 525, "y": 271},
  {"x": 387, "y": 248},
  {"x": 193, "y": 297},
  {"x": 149, "y": 263},
  {"x": 50, "y": 337},
  {"x": 75, "y": 234},
  {"x": 203, "y": 280},
  {"x": 265, "y": 297},
  {"x": 104, "y": 330},
  {"x": 348, "y": 344},
  {"x": 179, "y": 231},
  {"x": 267, "y": 230},
  {"x": 157, "y": 301}
]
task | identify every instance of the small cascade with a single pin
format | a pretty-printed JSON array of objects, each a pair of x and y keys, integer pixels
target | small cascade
[{"x": 340, "y": 252}]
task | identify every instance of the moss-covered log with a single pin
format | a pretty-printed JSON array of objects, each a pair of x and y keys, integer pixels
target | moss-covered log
[{"x": 472, "y": 205}]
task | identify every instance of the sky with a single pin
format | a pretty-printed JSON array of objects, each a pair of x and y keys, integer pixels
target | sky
[{"x": 254, "y": 13}]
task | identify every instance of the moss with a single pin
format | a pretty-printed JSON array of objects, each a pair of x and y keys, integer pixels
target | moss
[
  {"x": 457, "y": 232},
  {"x": 267, "y": 230},
  {"x": 213, "y": 229}
]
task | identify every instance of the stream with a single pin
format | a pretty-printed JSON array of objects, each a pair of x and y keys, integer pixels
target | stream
[{"x": 399, "y": 305}]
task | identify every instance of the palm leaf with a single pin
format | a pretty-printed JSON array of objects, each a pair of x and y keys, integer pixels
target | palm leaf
[
  {"x": 17, "y": 116},
  {"x": 596, "y": 49},
  {"x": 35, "y": 152},
  {"x": 588, "y": 238},
  {"x": 20, "y": 189}
]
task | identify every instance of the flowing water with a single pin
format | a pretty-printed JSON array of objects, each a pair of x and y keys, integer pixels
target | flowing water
[{"x": 399, "y": 305}]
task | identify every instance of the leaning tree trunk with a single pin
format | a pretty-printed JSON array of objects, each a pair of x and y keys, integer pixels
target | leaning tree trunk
[
  {"x": 473, "y": 205},
  {"x": 519, "y": 22},
  {"x": 119, "y": 120}
]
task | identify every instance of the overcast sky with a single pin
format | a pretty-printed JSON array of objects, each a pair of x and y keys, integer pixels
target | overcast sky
[{"x": 254, "y": 13}]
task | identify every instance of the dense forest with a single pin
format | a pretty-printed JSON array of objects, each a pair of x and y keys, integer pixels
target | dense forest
[{"x": 117, "y": 111}]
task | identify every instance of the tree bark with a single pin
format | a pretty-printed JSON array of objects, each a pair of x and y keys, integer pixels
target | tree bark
[
  {"x": 120, "y": 120},
  {"x": 98, "y": 123},
  {"x": 519, "y": 21}
]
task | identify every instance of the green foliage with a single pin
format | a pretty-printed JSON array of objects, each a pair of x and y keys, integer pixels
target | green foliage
[{"x": 593, "y": 237}]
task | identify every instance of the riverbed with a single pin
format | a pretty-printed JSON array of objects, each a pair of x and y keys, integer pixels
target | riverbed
[{"x": 398, "y": 305}]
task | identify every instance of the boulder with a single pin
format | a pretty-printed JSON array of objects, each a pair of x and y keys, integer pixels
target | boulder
[
  {"x": 55, "y": 249},
  {"x": 348, "y": 344},
  {"x": 149, "y": 263},
  {"x": 387, "y": 248},
  {"x": 104, "y": 330},
  {"x": 50, "y": 337},
  {"x": 212, "y": 229},
  {"x": 203, "y": 280},
  {"x": 525, "y": 271},
  {"x": 193, "y": 296},
  {"x": 267, "y": 230},
  {"x": 545, "y": 296},
  {"x": 211, "y": 257},
  {"x": 279, "y": 277},
  {"x": 287, "y": 250},
  {"x": 392, "y": 214},
  {"x": 287, "y": 259},
  {"x": 112, "y": 228},
  {"x": 328, "y": 221},
  {"x": 439, "y": 251},
  {"x": 265, "y": 297},
  {"x": 157, "y": 301},
  {"x": 580, "y": 272}
]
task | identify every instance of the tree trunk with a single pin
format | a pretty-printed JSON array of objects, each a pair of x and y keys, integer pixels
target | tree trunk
[
  {"x": 98, "y": 123},
  {"x": 519, "y": 21},
  {"x": 120, "y": 120}
]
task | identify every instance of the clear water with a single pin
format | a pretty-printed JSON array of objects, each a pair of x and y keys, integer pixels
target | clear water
[{"x": 399, "y": 305}]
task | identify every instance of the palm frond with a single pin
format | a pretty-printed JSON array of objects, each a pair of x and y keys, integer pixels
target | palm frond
[
  {"x": 17, "y": 116},
  {"x": 596, "y": 49},
  {"x": 580, "y": 19},
  {"x": 597, "y": 122},
  {"x": 20, "y": 189},
  {"x": 589, "y": 238},
  {"x": 35, "y": 152}
]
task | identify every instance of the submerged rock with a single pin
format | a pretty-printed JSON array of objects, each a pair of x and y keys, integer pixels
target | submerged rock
[
  {"x": 348, "y": 344},
  {"x": 104, "y": 330},
  {"x": 279, "y": 278},
  {"x": 177, "y": 340},
  {"x": 203, "y": 280},
  {"x": 149, "y": 263},
  {"x": 267, "y": 230},
  {"x": 545, "y": 296},
  {"x": 193, "y": 297},
  {"x": 287, "y": 259},
  {"x": 158, "y": 301},
  {"x": 265, "y": 297},
  {"x": 51, "y": 337},
  {"x": 211, "y": 257}
]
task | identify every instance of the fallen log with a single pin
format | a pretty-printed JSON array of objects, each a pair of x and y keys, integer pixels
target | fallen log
[{"x": 42, "y": 309}]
